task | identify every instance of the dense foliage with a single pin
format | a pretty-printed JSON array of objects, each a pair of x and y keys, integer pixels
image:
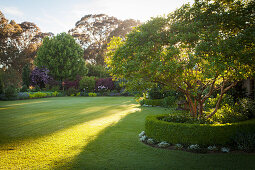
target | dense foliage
[
  {"x": 26, "y": 75},
  {"x": 97, "y": 71},
  {"x": 104, "y": 84},
  {"x": 39, "y": 77},
  {"x": 93, "y": 32},
  {"x": 62, "y": 56},
  {"x": 197, "y": 50},
  {"x": 87, "y": 83}
]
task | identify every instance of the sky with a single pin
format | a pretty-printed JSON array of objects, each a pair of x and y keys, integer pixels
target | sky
[{"x": 61, "y": 15}]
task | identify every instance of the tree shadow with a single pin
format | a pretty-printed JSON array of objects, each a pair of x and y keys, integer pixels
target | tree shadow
[
  {"x": 31, "y": 122},
  {"x": 118, "y": 147}
]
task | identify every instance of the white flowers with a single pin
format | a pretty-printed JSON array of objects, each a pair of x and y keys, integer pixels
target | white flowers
[
  {"x": 150, "y": 141},
  {"x": 141, "y": 134},
  {"x": 225, "y": 149},
  {"x": 212, "y": 148},
  {"x": 145, "y": 105},
  {"x": 163, "y": 144},
  {"x": 143, "y": 138},
  {"x": 194, "y": 147}
]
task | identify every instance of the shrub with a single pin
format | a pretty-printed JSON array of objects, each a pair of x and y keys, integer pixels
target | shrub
[
  {"x": 84, "y": 94},
  {"x": 155, "y": 93},
  {"x": 71, "y": 84},
  {"x": 246, "y": 106},
  {"x": 245, "y": 141},
  {"x": 92, "y": 94},
  {"x": 201, "y": 134},
  {"x": 10, "y": 92},
  {"x": 169, "y": 101},
  {"x": 55, "y": 88},
  {"x": 87, "y": 84},
  {"x": 39, "y": 77},
  {"x": 71, "y": 91},
  {"x": 37, "y": 95},
  {"x": 227, "y": 114},
  {"x": 104, "y": 84},
  {"x": 55, "y": 94},
  {"x": 22, "y": 95}
]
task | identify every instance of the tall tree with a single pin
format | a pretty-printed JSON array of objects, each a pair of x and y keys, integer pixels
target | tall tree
[
  {"x": 18, "y": 46},
  {"x": 62, "y": 56},
  {"x": 94, "y": 31},
  {"x": 197, "y": 49}
]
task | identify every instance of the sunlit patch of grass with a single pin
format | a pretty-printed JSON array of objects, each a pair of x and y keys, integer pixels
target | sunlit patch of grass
[
  {"x": 58, "y": 148},
  {"x": 12, "y": 106},
  {"x": 18, "y": 104}
]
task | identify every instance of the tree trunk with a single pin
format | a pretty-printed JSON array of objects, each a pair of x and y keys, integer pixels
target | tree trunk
[
  {"x": 193, "y": 109},
  {"x": 200, "y": 108}
]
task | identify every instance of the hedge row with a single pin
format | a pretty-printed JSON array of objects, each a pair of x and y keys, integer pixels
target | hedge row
[
  {"x": 202, "y": 134},
  {"x": 152, "y": 102}
]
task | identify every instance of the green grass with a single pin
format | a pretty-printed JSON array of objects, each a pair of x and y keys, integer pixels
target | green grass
[{"x": 92, "y": 133}]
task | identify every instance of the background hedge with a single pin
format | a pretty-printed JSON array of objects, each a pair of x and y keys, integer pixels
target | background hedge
[{"x": 202, "y": 134}]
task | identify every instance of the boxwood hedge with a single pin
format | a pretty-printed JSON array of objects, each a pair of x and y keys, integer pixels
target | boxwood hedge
[{"x": 202, "y": 134}]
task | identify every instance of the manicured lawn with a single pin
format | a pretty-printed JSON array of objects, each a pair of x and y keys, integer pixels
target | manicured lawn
[{"x": 92, "y": 133}]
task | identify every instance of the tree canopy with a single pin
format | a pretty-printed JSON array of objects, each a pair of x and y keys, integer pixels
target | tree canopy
[
  {"x": 62, "y": 56},
  {"x": 93, "y": 32},
  {"x": 18, "y": 46},
  {"x": 197, "y": 49}
]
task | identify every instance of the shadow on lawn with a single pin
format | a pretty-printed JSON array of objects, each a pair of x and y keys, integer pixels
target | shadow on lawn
[
  {"x": 118, "y": 147},
  {"x": 17, "y": 125}
]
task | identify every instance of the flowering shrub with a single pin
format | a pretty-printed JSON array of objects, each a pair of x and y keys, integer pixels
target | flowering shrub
[
  {"x": 39, "y": 77},
  {"x": 104, "y": 84},
  {"x": 87, "y": 84}
]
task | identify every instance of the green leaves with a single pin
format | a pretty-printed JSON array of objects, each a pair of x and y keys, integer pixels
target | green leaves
[{"x": 62, "y": 56}]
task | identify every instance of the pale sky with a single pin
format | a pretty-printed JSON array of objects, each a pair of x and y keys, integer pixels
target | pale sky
[{"x": 61, "y": 15}]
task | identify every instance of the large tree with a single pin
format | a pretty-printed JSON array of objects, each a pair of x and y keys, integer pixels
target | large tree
[
  {"x": 62, "y": 56},
  {"x": 93, "y": 32},
  {"x": 18, "y": 46},
  {"x": 197, "y": 49}
]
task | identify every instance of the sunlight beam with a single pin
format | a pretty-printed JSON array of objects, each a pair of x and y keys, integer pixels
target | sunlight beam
[{"x": 59, "y": 148}]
